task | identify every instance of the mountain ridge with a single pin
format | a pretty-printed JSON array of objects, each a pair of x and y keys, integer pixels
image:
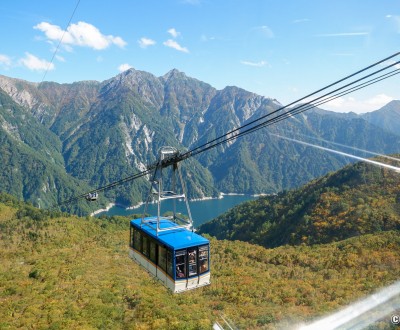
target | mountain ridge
[
  {"x": 359, "y": 199},
  {"x": 388, "y": 117},
  {"x": 110, "y": 129}
]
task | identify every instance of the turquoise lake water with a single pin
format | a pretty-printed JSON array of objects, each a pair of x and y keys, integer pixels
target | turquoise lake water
[{"x": 202, "y": 211}]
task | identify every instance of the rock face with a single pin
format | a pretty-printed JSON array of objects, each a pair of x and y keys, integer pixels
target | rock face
[{"x": 100, "y": 132}]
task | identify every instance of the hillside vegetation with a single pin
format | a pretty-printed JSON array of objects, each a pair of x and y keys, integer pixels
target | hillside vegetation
[
  {"x": 359, "y": 199},
  {"x": 66, "y": 272}
]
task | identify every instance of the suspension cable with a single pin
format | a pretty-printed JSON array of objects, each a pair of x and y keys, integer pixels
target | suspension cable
[
  {"x": 60, "y": 41},
  {"x": 299, "y": 100},
  {"x": 234, "y": 134}
]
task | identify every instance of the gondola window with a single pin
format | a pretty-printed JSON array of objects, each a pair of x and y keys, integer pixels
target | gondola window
[
  {"x": 181, "y": 264},
  {"x": 203, "y": 259},
  {"x": 162, "y": 257},
  {"x": 153, "y": 251},
  {"x": 145, "y": 246},
  {"x": 137, "y": 240},
  {"x": 192, "y": 256},
  {"x": 169, "y": 263}
]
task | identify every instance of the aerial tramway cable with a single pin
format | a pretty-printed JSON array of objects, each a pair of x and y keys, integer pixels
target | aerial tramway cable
[
  {"x": 265, "y": 120},
  {"x": 60, "y": 41},
  {"x": 296, "y": 110},
  {"x": 301, "y": 99},
  {"x": 109, "y": 186}
]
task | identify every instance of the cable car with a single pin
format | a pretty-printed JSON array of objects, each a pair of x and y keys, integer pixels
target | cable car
[
  {"x": 92, "y": 196},
  {"x": 167, "y": 246},
  {"x": 179, "y": 258}
]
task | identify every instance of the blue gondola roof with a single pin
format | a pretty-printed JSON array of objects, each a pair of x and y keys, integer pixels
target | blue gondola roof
[{"x": 176, "y": 239}]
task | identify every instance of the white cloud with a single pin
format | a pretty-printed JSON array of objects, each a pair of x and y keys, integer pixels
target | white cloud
[
  {"x": 80, "y": 34},
  {"x": 36, "y": 64},
  {"x": 60, "y": 58},
  {"x": 5, "y": 60},
  {"x": 347, "y": 104},
  {"x": 301, "y": 20},
  {"x": 257, "y": 64},
  {"x": 124, "y": 67},
  {"x": 173, "y": 44},
  {"x": 379, "y": 100},
  {"x": 146, "y": 42},
  {"x": 52, "y": 32},
  {"x": 204, "y": 38},
  {"x": 68, "y": 48},
  {"x": 173, "y": 32}
]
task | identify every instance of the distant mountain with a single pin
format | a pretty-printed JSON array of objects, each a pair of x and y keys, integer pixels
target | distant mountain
[
  {"x": 100, "y": 132},
  {"x": 32, "y": 167},
  {"x": 262, "y": 162},
  {"x": 388, "y": 117},
  {"x": 359, "y": 199}
]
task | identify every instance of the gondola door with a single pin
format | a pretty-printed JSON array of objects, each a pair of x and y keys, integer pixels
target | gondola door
[
  {"x": 193, "y": 278},
  {"x": 162, "y": 264},
  {"x": 180, "y": 269}
]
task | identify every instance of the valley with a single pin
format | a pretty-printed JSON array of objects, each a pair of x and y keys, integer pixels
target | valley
[{"x": 72, "y": 138}]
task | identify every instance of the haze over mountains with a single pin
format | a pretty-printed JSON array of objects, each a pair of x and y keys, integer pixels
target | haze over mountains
[{"x": 59, "y": 140}]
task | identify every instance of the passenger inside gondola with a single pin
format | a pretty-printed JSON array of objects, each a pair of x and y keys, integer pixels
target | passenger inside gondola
[
  {"x": 203, "y": 266},
  {"x": 179, "y": 272}
]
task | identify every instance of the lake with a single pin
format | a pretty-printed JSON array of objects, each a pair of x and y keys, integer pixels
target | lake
[{"x": 202, "y": 211}]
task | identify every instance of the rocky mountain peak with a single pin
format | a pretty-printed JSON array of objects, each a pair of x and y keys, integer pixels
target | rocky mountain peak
[
  {"x": 387, "y": 117},
  {"x": 140, "y": 83},
  {"x": 392, "y": 106},
  {"x": 19, "y": 90},
  {"x": 174, "y": 74}
]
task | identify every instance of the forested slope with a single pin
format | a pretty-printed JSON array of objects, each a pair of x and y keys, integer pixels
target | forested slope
[
  {"x": 358, "y": 199},
  {"x": 63, "y": 272}
]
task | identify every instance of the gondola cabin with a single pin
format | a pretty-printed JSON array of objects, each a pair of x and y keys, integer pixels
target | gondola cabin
[
  {"x": 178, "y": 257},
  {"x": 168, "y": 247},
  {"x": 92, "y": 196}
]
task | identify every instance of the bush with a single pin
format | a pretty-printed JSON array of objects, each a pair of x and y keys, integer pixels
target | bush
[
  {"x": 32, "y": 213},
  {"x": 34, "y": 274}
]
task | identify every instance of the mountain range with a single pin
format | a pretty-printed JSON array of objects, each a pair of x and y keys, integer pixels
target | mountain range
[{"x": 60, "y": 140}]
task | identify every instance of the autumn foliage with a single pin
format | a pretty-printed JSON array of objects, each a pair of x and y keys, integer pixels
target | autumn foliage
[{"x": 63, "y": 272}]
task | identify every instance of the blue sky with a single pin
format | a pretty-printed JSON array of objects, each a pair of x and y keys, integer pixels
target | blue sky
[{"x": 279, "y": 49}]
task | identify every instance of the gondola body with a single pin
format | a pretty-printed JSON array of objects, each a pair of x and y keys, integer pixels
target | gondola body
[
  {"x": 168, "y": 247},
  {"x": 178, "y": 257}
]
